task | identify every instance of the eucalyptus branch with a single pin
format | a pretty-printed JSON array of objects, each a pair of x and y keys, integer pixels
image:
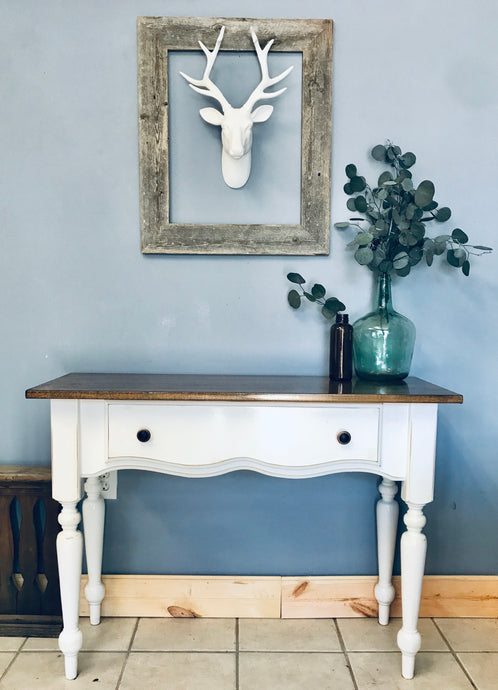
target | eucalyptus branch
[
  {"x": 397, "y": 240},
  {"x": 330, "y": 306}
]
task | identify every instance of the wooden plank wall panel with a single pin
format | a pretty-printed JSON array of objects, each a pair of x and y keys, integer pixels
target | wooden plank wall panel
[{"x": 287, "y": 597}]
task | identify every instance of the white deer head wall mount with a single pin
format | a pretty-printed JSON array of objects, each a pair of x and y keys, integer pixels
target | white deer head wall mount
[{"x": 236, "y": 123}]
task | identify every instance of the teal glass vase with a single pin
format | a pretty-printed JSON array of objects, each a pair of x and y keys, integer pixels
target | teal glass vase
[{"x": 383, "y": 340}]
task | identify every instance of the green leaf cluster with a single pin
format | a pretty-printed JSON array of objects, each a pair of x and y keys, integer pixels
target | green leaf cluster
[
  {"x": 391, "y": 230},
  {"x": 330, "y": 306}
]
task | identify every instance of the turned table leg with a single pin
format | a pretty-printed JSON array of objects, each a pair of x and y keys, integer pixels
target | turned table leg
[
  {"x": 413, "y": 550},
  {"x": 69, "y": 558},
  {"x": 387, "y": 523},
  {"x": 93, "y": 526}
]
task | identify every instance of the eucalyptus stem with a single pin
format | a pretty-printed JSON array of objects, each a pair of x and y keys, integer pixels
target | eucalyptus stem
[
  {"x": 395, "y": 213},
  {"x": 330, "y": 306}
]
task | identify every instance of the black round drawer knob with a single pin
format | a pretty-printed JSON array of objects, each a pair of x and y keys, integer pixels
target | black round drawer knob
[
  {"x": 143, "y": 435},
  {"x": 344, "y": 437}
]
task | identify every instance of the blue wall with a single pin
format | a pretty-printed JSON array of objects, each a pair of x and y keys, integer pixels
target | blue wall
[{"x": 77, "y": 294}]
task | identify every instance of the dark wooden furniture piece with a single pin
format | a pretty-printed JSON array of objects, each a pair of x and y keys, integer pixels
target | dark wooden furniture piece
[{"x": 29, "y": 578}]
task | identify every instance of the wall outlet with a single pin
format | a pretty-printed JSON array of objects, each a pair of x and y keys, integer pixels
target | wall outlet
[{"x": 109, "y": 484}]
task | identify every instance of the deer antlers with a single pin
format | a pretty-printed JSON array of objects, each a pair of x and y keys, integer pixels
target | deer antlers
[
  {"x": 266, "y": 81},
  {"x": 206, "y": 87},
  {"x": 236, "y": 123}
]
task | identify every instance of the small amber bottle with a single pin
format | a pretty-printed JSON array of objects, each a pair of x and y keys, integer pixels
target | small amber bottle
[{"x": 341, "y": 349}]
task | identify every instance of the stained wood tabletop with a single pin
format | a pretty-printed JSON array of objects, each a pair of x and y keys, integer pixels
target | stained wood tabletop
[{"x": 194, "y": 387}]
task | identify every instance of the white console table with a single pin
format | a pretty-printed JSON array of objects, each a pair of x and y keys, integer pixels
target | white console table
[{"x": 200, "y": 426}]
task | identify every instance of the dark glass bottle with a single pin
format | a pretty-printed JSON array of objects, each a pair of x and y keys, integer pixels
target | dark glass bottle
[{"x": 341, "y": 349}]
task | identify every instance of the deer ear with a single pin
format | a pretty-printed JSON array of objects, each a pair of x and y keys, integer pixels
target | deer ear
[
  {"x": 262, "y": 113},
  {"x": 211, "y": 115}
]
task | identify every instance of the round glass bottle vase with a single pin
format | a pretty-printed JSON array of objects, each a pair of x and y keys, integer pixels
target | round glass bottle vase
[{"x": 383, "y": 340}]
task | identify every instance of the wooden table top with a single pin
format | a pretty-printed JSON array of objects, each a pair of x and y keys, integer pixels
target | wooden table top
[{"x": 193, "y": 387}]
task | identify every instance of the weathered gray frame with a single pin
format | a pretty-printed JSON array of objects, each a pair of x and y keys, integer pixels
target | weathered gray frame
[{"x": 312, "y": 38}]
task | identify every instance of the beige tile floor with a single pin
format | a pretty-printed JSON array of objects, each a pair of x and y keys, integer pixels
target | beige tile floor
[{"x": 248, "y": 654}]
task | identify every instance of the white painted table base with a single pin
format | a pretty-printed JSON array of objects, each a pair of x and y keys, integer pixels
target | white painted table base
[{"x": 393, "y": 440}]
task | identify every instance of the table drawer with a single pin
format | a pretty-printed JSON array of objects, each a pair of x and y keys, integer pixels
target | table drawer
[{"x": 283, "y": 435}]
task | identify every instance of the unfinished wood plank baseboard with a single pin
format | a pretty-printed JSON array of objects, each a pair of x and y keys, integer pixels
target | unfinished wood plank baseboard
[
  {"x": 188, "y": 596},
  {"x": 287, "y": 597},
  {"x": 448, "y": 596}
]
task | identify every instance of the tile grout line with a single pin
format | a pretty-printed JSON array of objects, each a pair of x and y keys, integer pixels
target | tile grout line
[
  {"x": 346, "y": 655},
  {"x": 237, "y": 681},
  {"x": 132, "y": 640},
  {"x": 455, "y": 655},
  {"x": 13, "y": 659}
]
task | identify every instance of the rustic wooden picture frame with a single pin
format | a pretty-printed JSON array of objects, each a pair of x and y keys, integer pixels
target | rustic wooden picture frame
[{"x": 312, "y": 38}]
